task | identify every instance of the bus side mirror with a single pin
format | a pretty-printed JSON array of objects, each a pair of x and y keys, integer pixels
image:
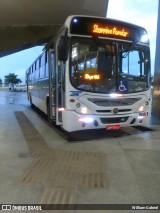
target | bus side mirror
[{"x": 63, "y": 48}]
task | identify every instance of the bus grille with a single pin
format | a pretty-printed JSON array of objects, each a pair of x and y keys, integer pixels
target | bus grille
[
  {"x": 114, "y": 102},
  {"x": 109, "y": 111},
  {"x": 114, "y": 120}
]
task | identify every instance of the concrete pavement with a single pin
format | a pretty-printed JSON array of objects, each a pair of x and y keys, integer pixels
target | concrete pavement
[{"x": 39, "y": 166}]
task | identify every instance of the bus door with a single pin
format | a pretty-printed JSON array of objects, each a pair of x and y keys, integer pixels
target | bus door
[
  {"x": 51, "y": 105},
  {"x": 60, "y": 90},
  {"x": 62, "y": 56}
]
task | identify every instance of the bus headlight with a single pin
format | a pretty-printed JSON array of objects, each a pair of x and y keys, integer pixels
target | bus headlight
[
  {"x": 142, "y": 111},
  {"x": 142, "y": 115},
  {"x": 141, "y": 108},
  {"x": 82, "y": 109},
  {"x": 85, "y": 110},
  {"x": 78, "y": 105}
]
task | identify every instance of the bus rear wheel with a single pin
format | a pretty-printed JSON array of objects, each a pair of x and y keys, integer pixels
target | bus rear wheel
[
  {"x": 48, "y": 110},
  {"x": 30, "y": 100}
]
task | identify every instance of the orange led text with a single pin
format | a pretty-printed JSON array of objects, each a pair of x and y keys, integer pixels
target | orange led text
[
  {"x": 109, "y": 31},
  {"x": 92, "y": 77}
]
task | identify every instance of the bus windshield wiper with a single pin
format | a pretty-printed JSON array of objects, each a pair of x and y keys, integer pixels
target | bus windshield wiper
[{"x": 130, "y": 49}]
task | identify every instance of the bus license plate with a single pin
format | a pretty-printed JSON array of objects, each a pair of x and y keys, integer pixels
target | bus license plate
[{"x": 112, "y": 127}]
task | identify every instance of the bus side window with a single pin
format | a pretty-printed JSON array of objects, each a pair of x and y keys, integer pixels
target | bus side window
[
  {"x": 37, "y": 69},
  {"x": 53, "y": 69},
  {"x": 46, "y": 64},
  {"x": 30, "y": 74},
  {"x": 34, "y": 71},
  {"x": 42, "y": 66},
  {"x": 40, "y": 71}
]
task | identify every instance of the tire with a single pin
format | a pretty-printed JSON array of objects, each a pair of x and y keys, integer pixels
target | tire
[
  {"x": 48, "y": 117},
  {"x": 30, "y": 100}
]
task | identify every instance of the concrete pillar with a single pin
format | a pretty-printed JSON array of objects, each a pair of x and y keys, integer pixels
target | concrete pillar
[{"x": 156, "y": 92}]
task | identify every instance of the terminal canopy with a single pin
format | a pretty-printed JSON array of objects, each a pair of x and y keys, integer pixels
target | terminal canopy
[{"x": 33, "y": 22}]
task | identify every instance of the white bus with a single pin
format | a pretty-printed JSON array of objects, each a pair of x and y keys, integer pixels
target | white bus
[{"x": 94, "y": 74}]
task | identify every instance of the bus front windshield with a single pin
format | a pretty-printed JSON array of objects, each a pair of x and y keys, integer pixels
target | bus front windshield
[{"x": 106, "y": 66}]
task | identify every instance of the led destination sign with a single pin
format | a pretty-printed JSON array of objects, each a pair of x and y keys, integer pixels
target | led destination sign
[{"x": 106, "y": 28}]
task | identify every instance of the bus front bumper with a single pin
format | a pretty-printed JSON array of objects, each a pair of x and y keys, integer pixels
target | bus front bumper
[{"x": 73, "y": 121}]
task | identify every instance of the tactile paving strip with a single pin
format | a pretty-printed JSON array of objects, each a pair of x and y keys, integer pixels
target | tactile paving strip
[{"x": 61, "y": 172}]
